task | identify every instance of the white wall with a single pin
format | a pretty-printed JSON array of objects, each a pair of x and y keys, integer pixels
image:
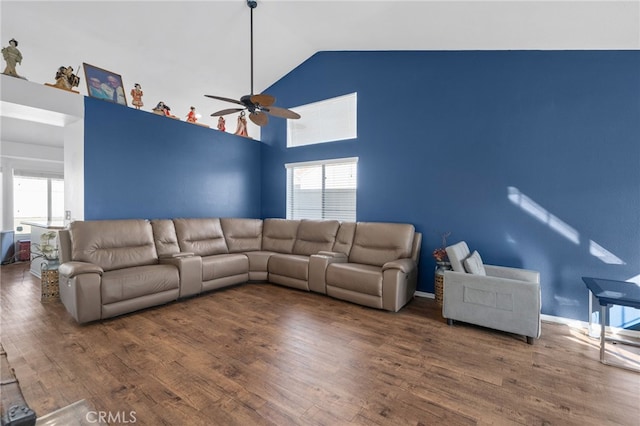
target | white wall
[{"x": 41, "y": 128}]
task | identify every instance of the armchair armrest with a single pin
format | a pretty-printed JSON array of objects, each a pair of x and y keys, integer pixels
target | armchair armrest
[
  {"x": 512, "y": 273},
  {"x": 453, "y": 278},
  {"x": 500, "y": 303},
  {"x": 404, "y": 265},
  {"x": 74, "y": 268}
]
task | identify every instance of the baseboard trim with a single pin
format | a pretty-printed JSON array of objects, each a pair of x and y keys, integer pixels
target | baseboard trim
[{"x": 573, "y": 323}]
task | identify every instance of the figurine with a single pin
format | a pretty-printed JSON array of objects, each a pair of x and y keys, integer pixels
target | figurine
[
  {"x": 13, "y": 56},
  {"x": 136, "y": 94},
  {"x": 66, "y": 79},
  {"x": 241, "y": 130},
  {"x": 221, "y": 124},
  {"x": 160, "y": 108},
  {"x": 192, "y": 117},
  {"x": 163, "y": 109}
]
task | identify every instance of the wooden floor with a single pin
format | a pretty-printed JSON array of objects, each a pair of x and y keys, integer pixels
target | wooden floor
[{"x": 263, "y": 354}]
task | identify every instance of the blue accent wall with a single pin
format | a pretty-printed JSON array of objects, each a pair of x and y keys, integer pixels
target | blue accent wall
[
  {"x": 532, "y": 157},
  {"x": 141, "y": 165}
]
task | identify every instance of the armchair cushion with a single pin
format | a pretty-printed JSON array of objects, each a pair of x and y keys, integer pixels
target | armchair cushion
[
  {"x": 457, "y": 253},
  {"x": 473, "y": 264}
]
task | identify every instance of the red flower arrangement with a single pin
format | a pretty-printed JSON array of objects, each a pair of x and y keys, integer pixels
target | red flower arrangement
[{"x": 440, "y": 254}]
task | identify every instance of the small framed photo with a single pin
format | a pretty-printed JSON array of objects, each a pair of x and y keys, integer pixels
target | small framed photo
[{"x": 103, "y": 84}]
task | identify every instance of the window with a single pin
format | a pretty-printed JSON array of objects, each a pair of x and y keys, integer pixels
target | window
[
  {"x": 36, "y": 199},
  {"x": 322, "y": 189},
  {"x": 330, "y": 120}
]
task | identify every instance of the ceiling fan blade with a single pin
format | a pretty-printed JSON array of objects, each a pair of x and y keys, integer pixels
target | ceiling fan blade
[
  {"x": 226, "y": 111},
  {"x": 221, "y": 98},
  {"x": 282, "y": 112},
  {"x": 259, "y": 118},
  {"x": 263, "y": 99}
]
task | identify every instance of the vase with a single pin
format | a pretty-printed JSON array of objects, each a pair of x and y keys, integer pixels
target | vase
[{"x": 441, "y": 267}]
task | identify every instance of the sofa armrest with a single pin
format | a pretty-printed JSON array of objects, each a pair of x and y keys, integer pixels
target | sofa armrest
[
  {"x": 177, "y": 255},
  {"x": 74, "y": 268},
  {"x": 399, "y": 282},
  {"x": 318, "y": 264},
  {"x": 80, "y": 284},
  {"x": 512, "y": 273},
  {"x": 333, "y": 254},
  {"x": 190, "y": 271},
  {"x": 404, "y": 265}
]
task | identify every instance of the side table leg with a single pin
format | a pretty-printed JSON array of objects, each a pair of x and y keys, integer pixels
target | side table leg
[{"x": 603, "y": 321}]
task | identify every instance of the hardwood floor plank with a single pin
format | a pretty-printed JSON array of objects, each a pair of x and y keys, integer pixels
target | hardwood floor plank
[{"x": 261, "y": 354}]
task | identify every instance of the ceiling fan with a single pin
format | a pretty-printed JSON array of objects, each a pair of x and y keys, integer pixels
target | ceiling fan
[{"x": 259, "y": 106}]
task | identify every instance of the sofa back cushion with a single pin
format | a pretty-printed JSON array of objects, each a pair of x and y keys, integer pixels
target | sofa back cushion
[
  {"x": 242, "y": 234},
  {"x": 113, "y": 244},
  {"x": 279, "y": 235},
  {"x": 378, "y": 243},
  {"x": 164, "y": 235},
  {"x": 344, "y": 238},
  {"x": 457, "y": 253},
  {"x": 314, "y": 236},
  {"x": 202, "y": 236}
]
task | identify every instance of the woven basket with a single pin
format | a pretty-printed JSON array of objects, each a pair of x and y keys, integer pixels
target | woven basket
[
  {"x": 50, "y": 285},
  {"x": 439, "y": 283}
]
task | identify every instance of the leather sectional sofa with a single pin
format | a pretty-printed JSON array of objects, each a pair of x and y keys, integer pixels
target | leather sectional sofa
[{"x": 113, "y": 267}]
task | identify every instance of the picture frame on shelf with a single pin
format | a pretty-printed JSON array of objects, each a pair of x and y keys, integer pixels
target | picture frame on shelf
[{"x": 103, "y": 84}]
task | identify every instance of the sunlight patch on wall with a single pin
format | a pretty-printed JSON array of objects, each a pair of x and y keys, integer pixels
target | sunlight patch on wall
[
  {"x": 603, "y": 254},
  {"x": 540, "y": 213},
  {"x": 635, "y": 279},
  {"x": 562, "y": 228}
]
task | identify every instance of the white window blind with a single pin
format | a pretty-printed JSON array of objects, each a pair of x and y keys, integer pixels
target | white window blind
[
  {"x": 322, "y": 189},
  {"x": 330, "y": 120}
]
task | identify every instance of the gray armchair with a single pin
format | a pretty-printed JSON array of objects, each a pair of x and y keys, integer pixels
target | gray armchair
[{"x": 498, "y": 297}]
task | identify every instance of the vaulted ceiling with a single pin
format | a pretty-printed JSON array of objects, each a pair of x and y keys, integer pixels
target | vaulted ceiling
[{"x": 180, "y": 50}]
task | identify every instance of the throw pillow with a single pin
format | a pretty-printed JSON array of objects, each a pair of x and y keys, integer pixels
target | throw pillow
[{"x": 473, "y": 264}]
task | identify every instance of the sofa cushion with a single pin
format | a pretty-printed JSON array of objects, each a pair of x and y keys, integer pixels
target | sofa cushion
[
  {"x": 359, "y": 278},
  {"x": 314, "y": 236},
  {"x": 344, "y": 238},
  {"x": 125, "y": 284},
  {"x": 279, "y": 235},
  {"x": 290, "y": 265},
  {"x": 113, "y": 244},
  {"x": 224, "y": 265},
  {"x": 203, "y": 237},
  {"x": 379, "y": 243},
  {"x": 164, "y": 235},
  {"x": 242, "y": 234},
  {"x": 473, "y": 264}
]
